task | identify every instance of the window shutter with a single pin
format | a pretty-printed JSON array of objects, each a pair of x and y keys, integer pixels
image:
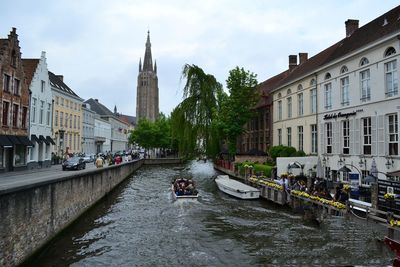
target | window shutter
[
  {"x": 356, "y": 137},
  {"x": 373, "y": 136},
  {"x": 381, "y": 135},
  {"x": 336, "y": 142},
  {"x": 321, "y": 140}
]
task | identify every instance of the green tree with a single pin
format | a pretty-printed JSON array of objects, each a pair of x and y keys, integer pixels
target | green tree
[
  {"x": 238, "y": 107},
  {"x": 284, "y": 151},
  {"x": 143, "y": 134},
  {"x": 192, "y": 119}
]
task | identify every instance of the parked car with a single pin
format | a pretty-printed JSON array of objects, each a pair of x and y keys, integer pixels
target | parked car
[{"x": 74, "y": 163}]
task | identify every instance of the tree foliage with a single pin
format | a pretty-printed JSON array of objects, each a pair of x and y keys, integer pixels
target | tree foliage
[
  {"x": 237, "y": 108},
  {"x": 285, "y": 151},
  {"x": 192, "y": 119}
]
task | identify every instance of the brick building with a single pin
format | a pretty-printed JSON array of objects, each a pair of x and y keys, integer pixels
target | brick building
[{"x": 14, "y": 101}]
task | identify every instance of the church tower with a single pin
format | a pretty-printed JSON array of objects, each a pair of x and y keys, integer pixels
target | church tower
[{"x": 147, "y": 87}]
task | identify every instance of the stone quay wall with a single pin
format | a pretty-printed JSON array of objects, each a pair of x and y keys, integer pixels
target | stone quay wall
[{"x": 32, "y": 215}]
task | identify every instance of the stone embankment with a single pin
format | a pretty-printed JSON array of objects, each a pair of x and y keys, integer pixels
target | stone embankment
[{"x": 32, "y": 215}]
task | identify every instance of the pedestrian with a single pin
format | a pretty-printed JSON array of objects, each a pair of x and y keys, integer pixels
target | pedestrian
[{"x": 99, "y": 162}]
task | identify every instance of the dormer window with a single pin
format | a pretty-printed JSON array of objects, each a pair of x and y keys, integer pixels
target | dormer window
[
  {"x": 327, "y": 76},
  {"x": 300, "y": 87},
  {"x": 364, "y": 61},
  {"x": 390, "y": 51},
  {"x": 344, "y": 69},
  {"x": 288, "y": 92},
  {"x": 312, "y": 83},
  {"x": 279, "y": 95}
]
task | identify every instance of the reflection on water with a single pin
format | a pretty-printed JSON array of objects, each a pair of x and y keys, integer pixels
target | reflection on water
[{"x": 139, "y": 224}]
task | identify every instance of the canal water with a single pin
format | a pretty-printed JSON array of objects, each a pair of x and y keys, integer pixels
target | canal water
[{"x": 139, "y": 224}]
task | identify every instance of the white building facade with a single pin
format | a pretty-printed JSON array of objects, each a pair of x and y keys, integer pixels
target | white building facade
[
  {"x": 359, "y": 106},
  {"x": 102, "y": 135},
  {"x": 40, "y": 130},
  {"x": 88, "y": 141}
]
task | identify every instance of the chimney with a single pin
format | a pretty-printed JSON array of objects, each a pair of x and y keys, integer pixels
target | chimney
[
  {"x": 351, "y": 26},
  {"x": 303, "y": 57},
  {"x": 61, "y": 77},
  {"x": 292, "y": 62}
]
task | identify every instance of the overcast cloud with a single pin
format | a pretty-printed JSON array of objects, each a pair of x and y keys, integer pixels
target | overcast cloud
[{"x": 97, "y": 44}]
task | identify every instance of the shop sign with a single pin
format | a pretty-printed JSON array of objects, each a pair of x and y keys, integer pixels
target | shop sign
[{"x": 337, "y": 115}]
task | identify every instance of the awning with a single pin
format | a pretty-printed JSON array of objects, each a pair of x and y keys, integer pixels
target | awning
[
  {"x": 25, "y": 141},
  {"x": 48, "y": 138},
  {"x": 14, "y": 139},
  {"x": 5, "y": 142},
  {"x": 41, "y": 138},
  {"x": 344, "y": 169},
  {"x": 34, "y": 138}
]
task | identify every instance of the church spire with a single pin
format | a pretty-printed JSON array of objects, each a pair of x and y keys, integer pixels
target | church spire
[
  {"x": 155, "y": 66},
  {"x": 140, "y": 65},
  {"x": 148, "y": 61}
]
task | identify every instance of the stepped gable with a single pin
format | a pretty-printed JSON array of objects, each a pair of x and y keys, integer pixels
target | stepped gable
[
  {"x": 30, "y": 66},
  {"x": 58, "y": 83},
  {"x": 266, "y": 87}
]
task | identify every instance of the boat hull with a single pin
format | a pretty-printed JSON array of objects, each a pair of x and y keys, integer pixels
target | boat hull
[{"x": 236, "y": 188}]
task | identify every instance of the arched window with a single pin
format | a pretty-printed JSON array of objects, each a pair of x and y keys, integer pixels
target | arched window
[
  {"x": 279, "y": 95},
  {"x": 327, "y": 76},
  {"x": 390, "y": 51},
  {"x": 288, "y": 92},
  {"x": 364, "y": 61},
  {"x": 300, "y": 87},
  {"x": 312, "y": 83},
  {"x": 344, "y": 69}
]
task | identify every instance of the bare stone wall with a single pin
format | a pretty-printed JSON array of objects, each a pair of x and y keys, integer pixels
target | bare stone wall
[{"x": 31, "y": 217}]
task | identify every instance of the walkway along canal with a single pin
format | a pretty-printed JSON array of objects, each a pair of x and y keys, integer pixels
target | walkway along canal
[{"x": 139, "y": 224}]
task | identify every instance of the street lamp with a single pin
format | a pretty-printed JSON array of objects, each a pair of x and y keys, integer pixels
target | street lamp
[{"x": 389, "y": 162}]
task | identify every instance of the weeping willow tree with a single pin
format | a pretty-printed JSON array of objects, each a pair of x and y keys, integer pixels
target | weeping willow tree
[{"x": 192, "y": 120}]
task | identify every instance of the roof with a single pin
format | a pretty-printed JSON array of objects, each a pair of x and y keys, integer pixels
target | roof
[
  {"x": 30, "y": 66},
  {"x": 99, "y": 108},
  {"x": 267, "y": 86},
  {"x": 131, "y": 120},
  {"x": 59, "y": 84},
  {"x": 380, "y": 27}
]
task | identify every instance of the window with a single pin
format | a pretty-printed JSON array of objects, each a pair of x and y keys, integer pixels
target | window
[
  {"x": 62, "y": 101},
  {"x": 279, "y": 95},
  {"x": 70, "y": 121},
  {"x": 66, "y": 120},
  {"x": 364, "y": 84},
  {"x": 33, "y": 115},
  {"x": 328, "y": 96},
  {"x": 289, "y": 136},
  {"x": 344, "y": 91},
  {"x": 300, "y": 137},
  {"x": 70, "y": 141},
  {"x": 79, "y": 122},
  {"x": 279, "y": 136},
  {"x": 48, "y": 113},
  {"x": 390, "y": 51},
  {"x": 56, "y": 118},
  {"x": 364, "y": 61},
  {"x": 66, "y": 103},
  {"x": 391, "y": 78},
  {"x": 346, "y": 136},
  {"x": 41, "y": 112},
  {"x": 313, "y": 96},
  {"x": 24, "y": 116},
  {"x": 288, "y": 92},
  {"x": 289, "y": 107},
  {"x": 43, "y": 86},
  {"x": 6, "y": 109},
  {"x": 76, "y": 106},
  {"x": 13, "y": 59},
  {"x": 57, "y": 99},
  {"x": 314, "y": 140},
  {"x": 300, "y": 104},
  {"x": 344, "y": 69},
  {"x": 313, "y": 82},
  {"x": 61, "y": 119},
  {"x": 16, "y": 87},
  {"x": 280, "y": 110},
  {"x": 15, "y": 115},
  {"x": 74, "y": 142},
  {"x": 6, "y": 83},
  {"x": 328, "y": 130},
  {"x": 327, "y": 76},
  {"x": 393, "y": 130},
  {"x": 300, "y": 87},
  {"x": 20, "y": 155},
  {"x": 74, "y": 121},
  {"x": 367, "y": 135}
]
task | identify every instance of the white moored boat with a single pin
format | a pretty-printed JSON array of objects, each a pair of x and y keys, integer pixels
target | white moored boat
[{"x": 236, "y": 188}]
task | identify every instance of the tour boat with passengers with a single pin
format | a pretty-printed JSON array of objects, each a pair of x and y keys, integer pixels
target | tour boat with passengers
[
  {"x": 236, "y": 188},
  {"x": 183, "y": 188}
]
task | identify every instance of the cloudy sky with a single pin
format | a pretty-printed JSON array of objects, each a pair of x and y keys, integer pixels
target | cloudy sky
[{"x": 97, "y": 44}]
